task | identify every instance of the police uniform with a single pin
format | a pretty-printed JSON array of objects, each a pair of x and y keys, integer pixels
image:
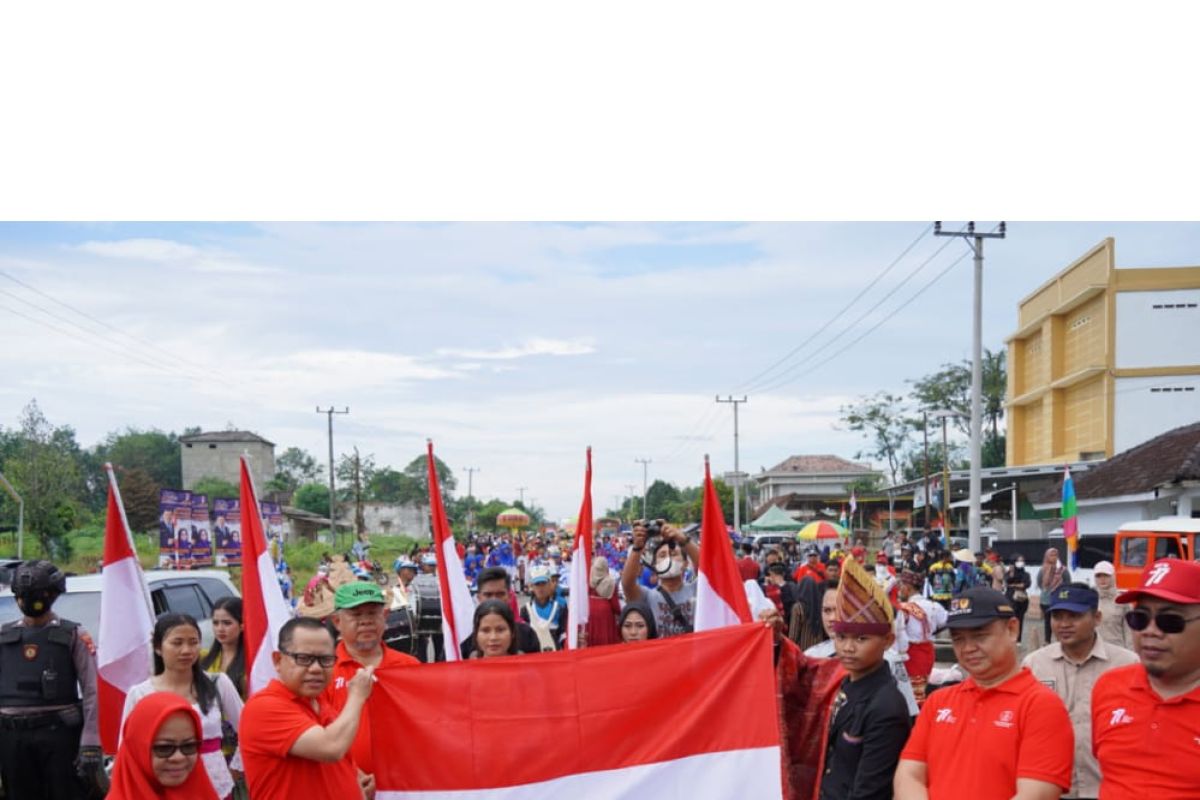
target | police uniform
[{"x": 47, "y": 707}]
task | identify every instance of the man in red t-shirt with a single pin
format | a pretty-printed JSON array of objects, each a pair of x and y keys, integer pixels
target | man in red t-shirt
[
  {"x": 360, "y": 617},
  {"x": 998, "y": 735},
  {"x": 1146, "y": 717},
  {"x": 294, "y": 745},
  {"x": 747, "y": 566},
  {"x": 811, "y": 568}
]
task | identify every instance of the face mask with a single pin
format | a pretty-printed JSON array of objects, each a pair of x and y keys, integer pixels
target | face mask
[
  {"x": 670, "y": 567},
  {"x": 1020, "y": 564}
]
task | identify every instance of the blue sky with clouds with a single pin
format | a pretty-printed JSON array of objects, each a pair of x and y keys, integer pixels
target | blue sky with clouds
[{"x": 512, "y": 345}]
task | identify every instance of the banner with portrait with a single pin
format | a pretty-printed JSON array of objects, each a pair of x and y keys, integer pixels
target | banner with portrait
[
  {"x": 174, "y": 527},
  {"x": 227, "y": 531},
  {"x": 202, "y": 546}
]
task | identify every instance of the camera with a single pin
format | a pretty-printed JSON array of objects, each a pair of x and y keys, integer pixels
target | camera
[{"x": 653, "y": 527}]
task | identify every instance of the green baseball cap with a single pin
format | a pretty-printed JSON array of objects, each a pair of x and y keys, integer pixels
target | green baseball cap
[{"x": 349, "y": 595}]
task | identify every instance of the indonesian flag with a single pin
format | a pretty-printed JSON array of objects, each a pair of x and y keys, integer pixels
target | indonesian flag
[
  {"x": 263, "y": 608},
  {"x": 581, "y": 563},
  {"x": 720, "y": 596},
  {"x": 458, "y": 607},
  {"x": 687, "y": 716},
  {"x": 123, "y": 656}
]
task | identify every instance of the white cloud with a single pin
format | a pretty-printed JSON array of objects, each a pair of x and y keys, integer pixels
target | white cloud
[
  {"x": 530, "y": 347},
  {"x": 165, "y": 251}
]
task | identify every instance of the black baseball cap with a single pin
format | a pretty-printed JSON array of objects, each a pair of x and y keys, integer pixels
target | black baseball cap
[{"x": 976, "y": 607}]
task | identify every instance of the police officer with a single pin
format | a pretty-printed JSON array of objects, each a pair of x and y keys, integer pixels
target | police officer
[{"x": 49, "y": 738}]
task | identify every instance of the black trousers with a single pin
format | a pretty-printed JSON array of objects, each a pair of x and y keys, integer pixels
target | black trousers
[{"x": 39, "y": 763}]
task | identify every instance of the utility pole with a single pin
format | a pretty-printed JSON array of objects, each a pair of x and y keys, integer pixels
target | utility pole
[
  {"x": 521, "y": 491},
  {"x": 8, "y": 487},
  {"x": 925, "y": 465},
  {"x": 645, "y": 462},
  {"x": 632, "y": 487},
  {"x": 737, "y": 475},
  {"x": 470, "y": 511},
  {"x": 329, "y": 412},
  {"x": 974, "y": 240}
]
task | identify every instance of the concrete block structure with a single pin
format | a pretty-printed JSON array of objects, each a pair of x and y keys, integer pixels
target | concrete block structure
[
  {"x": 1102, "y": 360},
  {"x": 216, "y": 455}
]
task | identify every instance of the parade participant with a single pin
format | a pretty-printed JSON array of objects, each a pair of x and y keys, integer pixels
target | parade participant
[
  {"x": 779, "y": 590},
  {"x": 494, "y": 631},
  {"x": 1146, "y": 717},
  {"x": 943, "y": 579},
  {"x": 673, "y": 600},
  {"x": 868, "y": 722},
  {"x": 747, "y": 565},
  {"x": 429, "y": 611},
  {"x": 1112, "y": 621},
  {"x": 293, "y": 744},
  {"x": 472, "y": 564},
  {"x": 160, "y": 746},
  {"x": 49, "y": 739},
  {"x": 1000, "y": 734},
  {"x": 494, "y": 585},
  {"x": 1016, "y": 581},
  {"x": 833, "y": 571},
  {"x": 920, "y": 618},
  {"x": 1054, "y": 573},
  {"x": 176, "y": 644},
  {"x": 228, "y": 653},
  {"x": 402, "y": 594},
  {"x": 637, "y": 624},
  {"x": 603, "y": 605},
  {"x": 859, "y": 554},
  {"x": 1071, "y": 665},
  {"x": 360, "y": 619},
  {"x": 544, "y": 612},
  {"x": 812, "y": 566},
  {"x": 805, "y": 627}
]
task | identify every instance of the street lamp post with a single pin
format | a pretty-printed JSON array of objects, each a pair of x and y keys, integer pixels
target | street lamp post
[{"x": 8, "y": 487}]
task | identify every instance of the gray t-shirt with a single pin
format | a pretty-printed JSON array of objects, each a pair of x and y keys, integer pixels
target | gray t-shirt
[{"x": 664, "y": 618}]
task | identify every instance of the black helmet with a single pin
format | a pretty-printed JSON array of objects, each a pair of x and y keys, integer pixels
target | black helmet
[{"x": 36, "y": 585}]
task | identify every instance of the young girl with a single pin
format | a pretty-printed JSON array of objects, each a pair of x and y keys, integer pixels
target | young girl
[
  {"x": 177, "y": 670},
  {"x": 228, "y": 653},
  {"x": 495, "y": 632}
]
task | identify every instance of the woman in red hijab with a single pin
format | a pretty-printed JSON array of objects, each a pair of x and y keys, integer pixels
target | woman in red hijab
[{"x": 159, "y": 751}]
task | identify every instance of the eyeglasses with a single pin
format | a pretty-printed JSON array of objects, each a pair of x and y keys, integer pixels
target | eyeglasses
[
  {"x": 1167, "y": 621},
  {"x": 167, "y": 749},
  {"x": 308, "y": 659}
]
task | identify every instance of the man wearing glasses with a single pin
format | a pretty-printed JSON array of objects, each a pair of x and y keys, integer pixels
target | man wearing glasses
[
  {"x": 293, "y": 744},
  {"x": 1146, "y": 717}
]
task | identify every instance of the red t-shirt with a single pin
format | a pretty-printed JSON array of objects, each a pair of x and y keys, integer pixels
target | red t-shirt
[
  {"x": 748, "y": 568},
  {"x": 803, "y": 571},
  {"x": 1147, "y": 747},
  {"x": 335, "y": 695},
  {"x": 977, "y": 742},
  {"x": 272, "y": 720}
]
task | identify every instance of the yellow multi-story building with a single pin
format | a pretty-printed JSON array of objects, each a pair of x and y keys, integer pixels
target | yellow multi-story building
[{"x": 1103, "y": 359}]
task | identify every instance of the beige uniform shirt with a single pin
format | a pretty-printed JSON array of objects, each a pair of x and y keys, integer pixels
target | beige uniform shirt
[
  {"x": 1112, "y": 620},
  {"x": 1073, "y": 683}
]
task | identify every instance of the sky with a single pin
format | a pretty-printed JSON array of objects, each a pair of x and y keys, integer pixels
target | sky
[{"x": 513, "y": 346}]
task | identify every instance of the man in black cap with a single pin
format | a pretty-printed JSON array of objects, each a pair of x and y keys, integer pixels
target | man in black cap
[
  {"x": 998, "y": 734},
  {"x": 1070, "y": 666}
]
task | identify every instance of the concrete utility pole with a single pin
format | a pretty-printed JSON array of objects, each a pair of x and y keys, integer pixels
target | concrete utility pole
[
  {"x": 329, "y": 412},
  {"x": 974, "y": 240},
  {"x": 645, "y": 462},
  {"x": 470, "y": 511},
  {"x": 632, "y": 487},
  {"x": 8, "y": 487},
  {"x": 521, "y": 492},
  {"x": 737, "y": 475}
]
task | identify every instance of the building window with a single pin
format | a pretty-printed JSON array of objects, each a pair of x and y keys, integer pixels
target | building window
[
  {"x": 1079, "y": 322},
  {"x": 1171, "y": 389},
  {"x": 1168, "y": 306},
  {"x": 212, "y": 447}
]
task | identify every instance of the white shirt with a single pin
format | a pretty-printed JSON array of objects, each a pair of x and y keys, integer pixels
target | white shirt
[{"x": 916, "y": 630}]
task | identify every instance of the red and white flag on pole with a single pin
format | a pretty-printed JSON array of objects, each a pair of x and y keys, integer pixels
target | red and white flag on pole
[
  {"x": 581, "y": 563},
  {"x": 703, "y": 707},
  {"x": 264, "y": 611},
  {"x": 123, "y": 656},
  {"x": 720, "y": 595},
  {"x": 458, "y": 606}
]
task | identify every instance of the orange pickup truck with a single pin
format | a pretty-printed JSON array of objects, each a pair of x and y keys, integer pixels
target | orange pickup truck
[{"x": 1141, "y": 543}]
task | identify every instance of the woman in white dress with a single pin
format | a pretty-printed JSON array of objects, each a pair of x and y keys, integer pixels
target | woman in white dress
[{"x": 177, "y": 670}]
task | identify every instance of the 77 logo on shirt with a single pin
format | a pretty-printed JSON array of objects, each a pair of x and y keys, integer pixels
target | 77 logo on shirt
[
  {"x": 945, "y": 715},
  {"x": 1119, "y": 717}
]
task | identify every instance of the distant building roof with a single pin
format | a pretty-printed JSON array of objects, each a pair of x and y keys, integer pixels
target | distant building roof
[
  {"x": 819, "y": 465},
  {"x": 1167, "y": 459},
  {"x": 224, "y": 436}
]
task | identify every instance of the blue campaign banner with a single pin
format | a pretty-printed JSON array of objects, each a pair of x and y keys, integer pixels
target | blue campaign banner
[
  {"x": 227, "y": 531},
  {"x": 202, "y": 546},
  {"x": 174, "y": 529}
]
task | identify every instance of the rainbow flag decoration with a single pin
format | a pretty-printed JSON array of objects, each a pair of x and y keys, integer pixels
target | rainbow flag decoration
[{"x": 1070, "y": 518}]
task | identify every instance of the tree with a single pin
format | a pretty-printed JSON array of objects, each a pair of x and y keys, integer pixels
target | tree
[
  {"x": 659, "y": 497},
  {"x": 485, "y": 517},
  {"x": 139, "y": 493},
  {"x": 354, "y": 471},
  {"x": 694, "y": 511},
  {"x": 313, "y": 498},
  {"x": 392, "y": 486},
  {"x": 154, "y": 452},
  {"x": 213, "y": 487},
  {"x": 950, "y": 388},
  {"x": 914, "y": 460},
  {"x": 881, "y": 419},
  {"x": 868, "y": 484},
  {"x": 294, "y": 467},
  {"x": 45, "y": 472},
  {"x": 418, "y": 471}
]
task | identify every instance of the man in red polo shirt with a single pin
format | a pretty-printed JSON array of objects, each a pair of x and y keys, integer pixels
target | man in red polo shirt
[
  {"x": 999, "y": 735},
  {"x": 812, "y": 566},
  {"x": 1146, "y": 717},
  {"x": 360, "y": 616},
  {"x": 293, "y": 745}
]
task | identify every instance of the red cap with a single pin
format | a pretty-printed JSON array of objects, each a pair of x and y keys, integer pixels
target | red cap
[
  {"x": 1167, "y": 579},
  {"x": 858, "y": 550}
]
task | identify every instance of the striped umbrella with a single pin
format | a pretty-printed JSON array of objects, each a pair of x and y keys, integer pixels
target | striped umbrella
[{"x": 822, "y": 530}]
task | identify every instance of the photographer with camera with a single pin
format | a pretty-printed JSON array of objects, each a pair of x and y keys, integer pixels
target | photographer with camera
[{"x": 672, "y": 601}]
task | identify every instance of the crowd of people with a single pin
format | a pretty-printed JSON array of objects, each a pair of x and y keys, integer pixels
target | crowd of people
[{"x": 1108, "y": 706}]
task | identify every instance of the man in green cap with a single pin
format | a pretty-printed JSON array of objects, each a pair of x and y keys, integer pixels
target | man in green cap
[{"x": 359, "y": 614}]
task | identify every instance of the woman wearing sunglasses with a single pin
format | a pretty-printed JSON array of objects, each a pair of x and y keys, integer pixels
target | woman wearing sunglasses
[
  {"x": 177, "y": 670},
  {"x": 160, "y": 746}
]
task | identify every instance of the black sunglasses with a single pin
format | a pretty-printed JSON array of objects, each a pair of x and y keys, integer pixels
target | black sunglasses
[
  {"x": 166, "y": 750},
  {"x": 308, "y": 659},
  {"x": 1167, "y": 621}
]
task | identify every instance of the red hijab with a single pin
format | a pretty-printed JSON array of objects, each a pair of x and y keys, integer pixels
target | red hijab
[{"x": 133, "y": 774}]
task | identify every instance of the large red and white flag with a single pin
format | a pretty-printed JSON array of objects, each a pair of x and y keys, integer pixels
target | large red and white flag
[
  {"x": 687, "y": 716},
  {"x": 123, "y": 656},
  {"x": 720, "y": 595},
  {"x": 458, "y": 606},
  {"x": 581, "y": 563},
  {"x": 264, "y": 611}
]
